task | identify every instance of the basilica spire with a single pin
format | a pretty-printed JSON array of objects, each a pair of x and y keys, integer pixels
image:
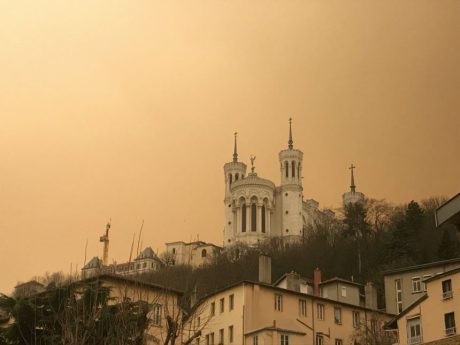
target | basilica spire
[
  {"x": 290, "y": 142},
  {"x": 352, "y": 185},
  {"x": 235, "y": 151}
]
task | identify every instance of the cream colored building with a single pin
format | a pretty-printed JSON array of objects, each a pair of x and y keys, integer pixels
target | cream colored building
[
  {"x": 193, "y": 254},
  {"x": 163, "y": 302},
  {"x": 406, "y": 285},
  {"x": 432, "y": 318},
  {"x": 258, "y": 313}
]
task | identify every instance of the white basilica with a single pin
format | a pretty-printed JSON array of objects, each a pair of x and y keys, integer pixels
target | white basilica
[{"x": 256, "y": 209}]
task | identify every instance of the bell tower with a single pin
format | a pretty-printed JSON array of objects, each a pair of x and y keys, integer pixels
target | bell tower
[
  {"x": 291, "y": 188},
  {"x": 234, "y": 171}
]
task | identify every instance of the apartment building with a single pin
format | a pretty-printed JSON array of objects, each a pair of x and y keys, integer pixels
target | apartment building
[
  {"x": 405, "y": 286},
  {"x": 258, "y": 313},
  {"x": 432, "y": 318}
]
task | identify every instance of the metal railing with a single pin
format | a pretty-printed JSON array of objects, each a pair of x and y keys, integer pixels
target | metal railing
[
  {"x": 451, "y": 331},
  {"x": 447, "y": 295},
  {"x": 415, "y": 340}
]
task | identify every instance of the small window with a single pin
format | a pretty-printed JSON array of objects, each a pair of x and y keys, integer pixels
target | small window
[
  {"x": 447, "y": 289},
  {"x": 319, "y": 339},
  {"x": 278, "y": 302},
  {"x": 344, "y": 291},
  {"x": 356, "y": 319},
  {"x": 293, "y": 168},
  {"x": 222, "y": 305},
  {"x": 236, "y": 177},
  {"x": 211, "y": 338},
  {"x": 286, "y": 168},
  {"x": 449, "y": 322},
  {"x": 213, "y": 308},
  {"x": 221, "y": 336},
  {"x": 144, "y": 265},
  {"x": 284, "y": 339},
  {"x": 174, "y": 250},
  {"x": 320, "y": 311},
  {"x": 230, "y": 179},
  {"x": 338, "y": 316},
  {"x": 231, "y": 302},
  {"x": 302, "y": 307},
  {"x": 203, "y": 253},
  {"x": 416, "y": 284},
  {"x": 157, "y": 314},
  {"x": 255, "y": 340},
  {"x": 230, "y": 334},
  {"x": 338, "y": 342}
]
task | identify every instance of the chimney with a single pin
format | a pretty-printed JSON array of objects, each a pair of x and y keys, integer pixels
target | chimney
[
  {"x": 265, "y": 269},
  {"x": 316, "y": 281},
  {"x": 370, "y": 296}
]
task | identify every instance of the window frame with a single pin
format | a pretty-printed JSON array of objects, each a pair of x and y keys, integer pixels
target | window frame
[
  {"x": 302, "y": 307},
  {"x": 337, "y": 315},
  {"x": 320, "y": 311},
  {"x": 278, "y": 302}
]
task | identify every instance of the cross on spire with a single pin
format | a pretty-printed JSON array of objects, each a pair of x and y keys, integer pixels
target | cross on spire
[
  {"x": 235, "y": 153},
  {"x": 352, "y": 185},
  {"x": 290, "y": 142}
]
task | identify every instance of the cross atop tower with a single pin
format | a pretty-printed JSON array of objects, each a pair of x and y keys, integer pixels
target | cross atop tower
[
  {"x": 235, "y": 153},
  {"x": 290, "y": 142},
  {"x": 352, "y": 185}
]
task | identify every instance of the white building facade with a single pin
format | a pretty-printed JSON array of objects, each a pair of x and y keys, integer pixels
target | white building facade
[{"x": 256, "y": 209}]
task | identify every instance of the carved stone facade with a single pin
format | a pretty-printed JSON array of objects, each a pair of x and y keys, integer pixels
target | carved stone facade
[{"x": 257, "y": 210}]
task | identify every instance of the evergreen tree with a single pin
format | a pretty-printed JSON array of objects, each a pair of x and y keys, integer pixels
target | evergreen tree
[{"x": 449, "y": 246}]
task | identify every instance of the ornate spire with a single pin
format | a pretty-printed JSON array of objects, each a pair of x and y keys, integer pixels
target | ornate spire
[
  {"x": 352, "y": 185},
  {"x": 290, "y": 142},
  {"x": 235, "y": 152}
]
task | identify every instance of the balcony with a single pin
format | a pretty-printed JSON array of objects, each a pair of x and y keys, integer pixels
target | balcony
[
  {"x": 414, "y": 340},
  {"x": 447, "y": 295},
  {"x": 450, "y": 331}
]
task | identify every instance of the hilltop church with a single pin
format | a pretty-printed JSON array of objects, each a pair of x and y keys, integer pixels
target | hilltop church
[{"x": 256, "y": 209}]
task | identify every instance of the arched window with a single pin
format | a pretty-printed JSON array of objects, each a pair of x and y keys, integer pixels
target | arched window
[
  {"x": 263, "y": 218},
  {"x": 236, "y": 177},
  {"x": 298, "y": 170},
  {"x": 230, "y": 178},
  {"x": 286, "y": 168},
  {"x": 253, "y": 217},
  {"x": 243, "y": 217},
  {"x": 293, "y": 168},
  {"x": 203, "y": 253}
]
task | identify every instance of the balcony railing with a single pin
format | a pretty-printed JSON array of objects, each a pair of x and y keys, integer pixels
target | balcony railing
[
  {"x": 415, "y": 340},
  {"x": 447, "y": 295},
  {"x": 451, "y": 331}
]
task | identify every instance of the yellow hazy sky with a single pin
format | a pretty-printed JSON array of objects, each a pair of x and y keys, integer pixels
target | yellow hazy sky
[{"x": 126, "y": 110}]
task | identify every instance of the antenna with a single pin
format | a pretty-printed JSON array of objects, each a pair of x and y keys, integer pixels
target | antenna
[{"x": 139, "y": 240}]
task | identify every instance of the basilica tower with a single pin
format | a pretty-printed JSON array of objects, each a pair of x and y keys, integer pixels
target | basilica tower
[
  {"x": 233, "y": 171},
  {"x": 290, "y": 196},
  {"x": 352, "y": 197}
]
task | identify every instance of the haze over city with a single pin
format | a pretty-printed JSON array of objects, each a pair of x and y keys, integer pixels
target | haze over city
[{"x": 126, "y": 111}]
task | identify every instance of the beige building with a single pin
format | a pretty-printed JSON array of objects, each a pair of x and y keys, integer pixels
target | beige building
[
  {"x": 258, "y": 313},
  {"x": 163, "y": 302},
  {"x": 28, "y": 289},
  {"x": 406, "y": 285},
  {"x": 432, "y": 318},
  {"x": 193, "y": 254},
  {"x": 146, "y": 261}
]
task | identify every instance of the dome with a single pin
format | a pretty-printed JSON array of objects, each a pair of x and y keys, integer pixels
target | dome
[{"x": 253, "y": 180}]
